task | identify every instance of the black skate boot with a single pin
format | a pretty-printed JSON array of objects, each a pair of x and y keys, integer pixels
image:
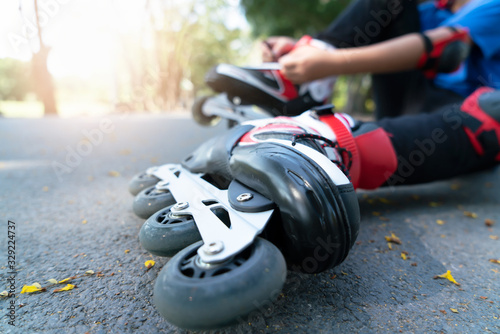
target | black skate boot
[{"x": 283, "y": 180}]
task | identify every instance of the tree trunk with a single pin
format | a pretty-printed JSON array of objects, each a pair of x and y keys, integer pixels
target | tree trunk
[{"x": 44, "y": 84}]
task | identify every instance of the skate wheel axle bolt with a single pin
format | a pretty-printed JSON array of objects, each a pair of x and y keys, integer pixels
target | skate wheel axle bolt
[
  {"x": 245, "y": 197},
  {"x": 181, "y": 206},
  {"x": 215, "y": 247},
  {"x": 162, "y": 185}
]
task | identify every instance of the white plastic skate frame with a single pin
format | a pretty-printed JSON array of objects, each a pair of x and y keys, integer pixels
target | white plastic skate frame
[{"x": 198, "y": 198}]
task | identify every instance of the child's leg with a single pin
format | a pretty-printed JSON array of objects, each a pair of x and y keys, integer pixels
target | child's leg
[
  {"x": 366, "y": 22},
  {"x": 456, "y": 140}
]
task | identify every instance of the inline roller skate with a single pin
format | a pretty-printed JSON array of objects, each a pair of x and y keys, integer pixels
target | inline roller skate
[
  {"x": 247, "y": 93},
  {"x": 267, "y": 195}
]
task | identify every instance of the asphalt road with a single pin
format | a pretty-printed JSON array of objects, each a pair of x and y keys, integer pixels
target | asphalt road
[{"x": 64, "y": 188}]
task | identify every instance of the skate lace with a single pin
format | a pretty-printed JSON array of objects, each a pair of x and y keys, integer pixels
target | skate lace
[{"x": 344, "y": 164}]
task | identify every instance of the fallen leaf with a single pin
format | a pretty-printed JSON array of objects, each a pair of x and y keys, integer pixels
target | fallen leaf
[
  {"x": 127, "y": 251},
  {"x": 376, "y": 213},
  {"x": 489, "y": 222},
  {"x": 448, "y": 276},
  {"x": 149, "y": 264},
  {"x": 52, "y": 281},
  {"x": 443, "y": 311},
  {"x": 403, "y": 256},
  {"x": 113, "y": 173},
  {"x": 45, "y": 188},
  {"x": 66, "y": 288},
  {"x": 482, "y": 297},
  {"x": 495, "y": 261},
  {"x": 67, "y": 279},
  {"x": 389, "y": 245},
  {"x": 84, "y": 221},
  {"x": 470, "y": 214},
  {"x": 440, "y": 222},
  {"x": 494, "y": 237},
  {"x": 4, "y": 294},
  {"x": 31, "y": 289},
  {"x": 414, "y": 264},
  {"x": 89, "y": 272},
  {"x": 454, "y": 310},
  {"x": 393, "y": 238}
]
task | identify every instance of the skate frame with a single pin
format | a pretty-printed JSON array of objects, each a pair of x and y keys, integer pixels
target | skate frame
[
  {"x": 198, "y": 198},
  {"x": 220, "y": 105}
]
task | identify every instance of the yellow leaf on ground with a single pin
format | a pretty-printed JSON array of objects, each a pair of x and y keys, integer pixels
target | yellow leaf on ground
[
  {"x": 66, "y": 288},
  {"x": 454, "y": 310},
  {"x": 67, "y": 279},
  {"x": 494, "y": 237},
  {"x": 149, "y": 263},
  {"x": 89, "y": 272},
  {"x": 495, "y": 261},
  {"x": 113, "y": 173},
  {"x": 4, "y": 294},
  {"x": 470, "y": 214},
  {"x": 393, "y": 238},
  {"x": 448, "y": 276},
  {"x": 52, "y": 281},
  {"x": 403, "y": 256},
  {"x": 30, "y": 289},
  {"x": 440, "y": 222},
  {"x": 127, "y": 251}
]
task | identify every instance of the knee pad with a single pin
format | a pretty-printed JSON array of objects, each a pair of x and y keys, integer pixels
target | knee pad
[
  {"x": 482, "y": 125},
  {"x": 445, "y": 55},
  {"x": 378, "y": 159}
]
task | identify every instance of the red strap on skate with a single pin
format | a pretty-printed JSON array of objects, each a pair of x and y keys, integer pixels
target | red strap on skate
[
  {"x": 471, "y": 106},
  {"x": 345, "y": 140}
]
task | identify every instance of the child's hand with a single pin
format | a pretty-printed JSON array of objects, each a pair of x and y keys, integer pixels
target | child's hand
[
  {"x": 275, "y": 47},
  {"x": 305, "y": 64}
]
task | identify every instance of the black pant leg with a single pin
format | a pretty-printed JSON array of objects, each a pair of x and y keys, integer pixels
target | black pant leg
[{"x": 433, "y": 147}]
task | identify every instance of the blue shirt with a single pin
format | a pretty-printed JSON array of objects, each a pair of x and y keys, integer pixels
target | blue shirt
[{"x": 482, "y": 67}]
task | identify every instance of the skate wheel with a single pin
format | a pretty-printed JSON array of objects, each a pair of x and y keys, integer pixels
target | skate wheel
[
  {"x": 140, "y": 182},
  {"x": 199, "y": 116},
  {"x": 165, "y": 235},
  {"x": 194, "y": 295},
  {"x": 151, "y": 200}
]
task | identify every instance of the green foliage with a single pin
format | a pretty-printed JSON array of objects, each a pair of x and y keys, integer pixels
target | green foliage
[
  {"x": 291, "y": 17},
  {"x": 14, "y": 79}
]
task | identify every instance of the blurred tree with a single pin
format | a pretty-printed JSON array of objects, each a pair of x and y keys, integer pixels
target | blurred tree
[
  {"x": 185, "y": 39},
  {"x": 44, "y": 84},
  {"x": 14, "y": 79},
  {"x": 291, "y": 17}
]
